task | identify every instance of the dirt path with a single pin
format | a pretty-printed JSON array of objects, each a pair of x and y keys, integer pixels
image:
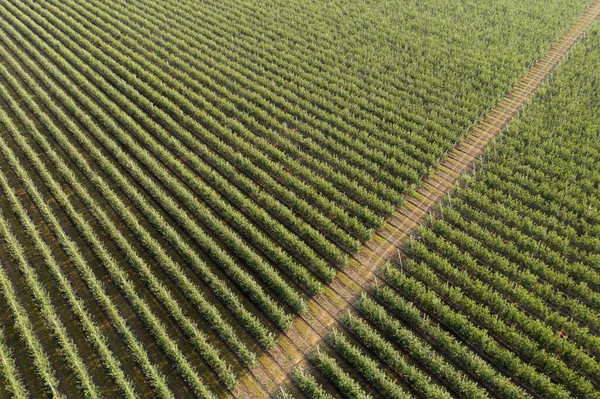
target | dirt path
[{"x": 324, "y": 310}]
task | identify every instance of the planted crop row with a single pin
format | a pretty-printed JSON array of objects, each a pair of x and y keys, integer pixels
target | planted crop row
[
  {"x": 502, "y": 287},
  {"x": 336, "y": 375},
  {"x": 368, "y": 368},
  {"x": 28, "y": 336},
  {"x": 77, "y": 306},
  {"x": 413, "y": 377},
  {"x": 169, "y": 265},
  {"x": 48, "y": 311},
  {"x": 112, "y": 266},
  {"x": 155, "y": 99},
  {"x": 230, "y": 238},
  {"x": 150, "y": 62},
  {"x": 496, "y": 294},
  {"x": 95, "y": 285},
  {"x": 205, "y": 167},
  {"x": 308, "y": 385},
  {"x": 14, "y": 383},
  {"x": 197, "y": 338}
]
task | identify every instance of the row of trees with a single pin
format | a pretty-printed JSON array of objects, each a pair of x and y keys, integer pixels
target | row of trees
[
  {"x": 228, "y": 236},
  {"x": 498, "y": 293},
  {"x": 119, "y": 276}
]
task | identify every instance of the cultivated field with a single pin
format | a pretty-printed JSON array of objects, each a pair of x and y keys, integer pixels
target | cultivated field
[
  {"x": 180, "y": 179},
  {"x": 497, "y": 294}
]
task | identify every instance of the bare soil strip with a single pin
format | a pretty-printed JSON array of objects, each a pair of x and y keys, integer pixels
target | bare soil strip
[{"x": 323, "y": 310}]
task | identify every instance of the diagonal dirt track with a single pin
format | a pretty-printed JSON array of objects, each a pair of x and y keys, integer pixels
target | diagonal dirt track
[{"x": 324, "y": 310}]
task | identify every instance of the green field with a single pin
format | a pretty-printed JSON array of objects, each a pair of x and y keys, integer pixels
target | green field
[
  {"x": 498, "y": 295},
  {"x": 178, "y": 178}
]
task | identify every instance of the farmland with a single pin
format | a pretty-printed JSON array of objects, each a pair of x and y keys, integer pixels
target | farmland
[
  {"x": 497, "y": 294},
  {"x": 181, "y": 179}
]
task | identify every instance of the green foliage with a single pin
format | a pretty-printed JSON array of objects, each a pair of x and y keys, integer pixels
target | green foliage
[
  {"x": 202, "y": 168},
  {"x": 9, "y": 370},
  {"x": 333, "y": 372},
  {"x": 367, "y": 367},
  {"x": 309, "y": 385}
]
